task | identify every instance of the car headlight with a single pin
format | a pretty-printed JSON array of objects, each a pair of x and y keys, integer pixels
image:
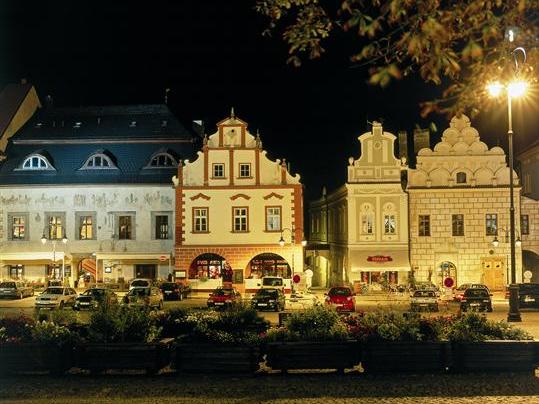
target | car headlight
[
  {"x": 271, "y": 301},
  {"x": 254, "y": 301}
]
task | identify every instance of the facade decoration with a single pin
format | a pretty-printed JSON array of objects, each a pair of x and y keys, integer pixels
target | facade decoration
[
  {"x": 459, "y": 203},
  {"x": 228, "y": 229}
]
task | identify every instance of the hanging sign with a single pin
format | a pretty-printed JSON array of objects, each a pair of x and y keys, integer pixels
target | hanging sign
[{"x": 379, "y": 258}]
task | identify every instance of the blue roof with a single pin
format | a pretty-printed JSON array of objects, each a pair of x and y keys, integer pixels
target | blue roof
[{"x": 67, "y": 137}]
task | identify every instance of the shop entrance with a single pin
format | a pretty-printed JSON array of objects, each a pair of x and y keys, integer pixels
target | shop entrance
[
  {"x": 145, "y": 271},
  {"x": 268, "y": 264}
]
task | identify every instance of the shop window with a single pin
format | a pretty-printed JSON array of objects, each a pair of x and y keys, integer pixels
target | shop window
[{"x": 207, "y": 266}]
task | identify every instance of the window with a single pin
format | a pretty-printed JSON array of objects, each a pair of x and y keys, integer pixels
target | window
[
  {"x": 200, "y": 220},
  {"x": 161, "y": 227},
  {"x": 457, "y": 225},
  {"x": 36, "y": 162},
  {"x": 162, "y": 160},
  {"x": 86, "y": 227},
  {"x": 240, "y": 219},
  {"x": 218, "y": 171},
  {"x": 491, "y": 224},
  {"x": 16, "y": 271},
  {"x": 55, "y": 226},
  {"x": 18, "y": 223},
  {"x": 424, "y": 225},
  {"x": 245, "y": 170},
  {"x": 524, "y": 224},
  {"x": 461, "y": 178},
  {"x": 125, "y": 227},
  {"x": 389, "y": 224},
  {"x": 273, "y": 218},
  {"x": 367, "y": 219},
  {"x": 98, "y": 161}
]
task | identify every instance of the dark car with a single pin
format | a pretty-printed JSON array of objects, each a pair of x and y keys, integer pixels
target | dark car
[
  {"x": 341, "y": 298},
  {"x": 458, "y": 293},
  {"x": 476, "y": 299},
  {"x": 223, "y": 297},
  {"x": 528, "y": 295},
  {"x": 174, "y": 291},
  {"x": 94, "y": 297},
  {"x": 15, "y": 289},
  {"x": 268, "y": 299}
]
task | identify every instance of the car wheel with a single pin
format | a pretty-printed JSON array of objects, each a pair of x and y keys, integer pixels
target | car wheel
[{"x": 61, "y": 305}]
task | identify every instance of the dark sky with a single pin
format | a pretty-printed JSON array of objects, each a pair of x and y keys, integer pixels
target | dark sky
[{"x": 212, "y": 56}]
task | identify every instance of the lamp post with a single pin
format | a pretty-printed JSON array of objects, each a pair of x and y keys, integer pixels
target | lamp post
[
  {"x": 514, "y": 89},
  {"x": 282, "y": 243},
  {"x": 54, "y": 241}
]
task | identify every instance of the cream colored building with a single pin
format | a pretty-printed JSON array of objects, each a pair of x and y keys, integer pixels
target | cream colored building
[
  {"x": 459, "y": 202},
  {"x": 365, "y": 222},
  {"x": 233, "y": 206}
]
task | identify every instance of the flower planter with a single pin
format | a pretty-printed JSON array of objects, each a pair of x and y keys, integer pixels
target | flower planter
[
  {"x": 494, "y": 356},
  {"x": 405, "y": 356},
  {"x": 338, "y": 355},
  {"x": 98, "y": 357},
  {"x": 215, "y": 358},
  {"x": 35, "y": 357}
]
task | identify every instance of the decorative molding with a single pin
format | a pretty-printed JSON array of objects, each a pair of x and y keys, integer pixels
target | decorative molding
[
  {"x": 233, "y": 198},
  {"x": 200, "y": 195},
  {"x": 273, "y": 194}
]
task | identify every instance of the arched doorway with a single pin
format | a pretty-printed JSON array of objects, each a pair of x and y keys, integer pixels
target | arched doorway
[
  {"x": 208, "y": 266},
  {"x": 447, "y": 270},
  {"x": 87, "y": 270},
  {"x": 268, "y": 264},
  {"x": 530, "y": 262}
]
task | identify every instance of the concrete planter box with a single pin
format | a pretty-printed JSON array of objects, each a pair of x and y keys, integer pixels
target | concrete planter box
[
  {"x": 338, "y": 355},
  {"x": 216, "y": 358},
  {"x": 35, "y": 357},
  {"x": 98, "y": 357},
  {"x": 495, "y": 356},
  {"x": 405, "y": 356}
]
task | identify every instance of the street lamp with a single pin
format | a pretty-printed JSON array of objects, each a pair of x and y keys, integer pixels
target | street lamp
[
  {"x": 496, "y": 242},
  {"x": 514, "y": 89},
  {"x": 282, "y": 242},
  {"x": 54, "y": 241}
]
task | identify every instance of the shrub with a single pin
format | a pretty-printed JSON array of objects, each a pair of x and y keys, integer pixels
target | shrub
[
  {"x": 473, "y": 327},
  {"x": 49, "y": 333},
  {"x": 16, "y": 329},
  {"x": 62, "y": 317},
  {"x": 318, "y": 323}
]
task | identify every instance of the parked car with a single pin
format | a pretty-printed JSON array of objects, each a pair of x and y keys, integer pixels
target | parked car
[
  {"x": 424, "y": 299},
  {"x": 425, "y": 285},
  {"x": 15, "y": 289},
  {"x": 272, "y": 299},
  {"x": 223, "y": 297},
  {"x": 174, "y": 291},
  {"x": 144, "y": 297},
  {"x": 458, "y": 293},
  {"x": 342, "y": 298},
  {"x": 528, "y": 295},
  {"x": 94, "y": 297},
  {"x": 476, "y": 299},
  {"x": 140, "y": 283},
  {"x": 300, "y": 300},
  {"x": 56, "y": 297}
]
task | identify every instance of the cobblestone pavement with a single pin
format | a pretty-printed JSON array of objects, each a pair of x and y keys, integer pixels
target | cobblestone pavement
[{"x": 293, "y": 388}]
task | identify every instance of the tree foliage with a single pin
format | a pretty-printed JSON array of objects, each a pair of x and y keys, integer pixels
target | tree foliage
[{"x": 458, "y": 45}]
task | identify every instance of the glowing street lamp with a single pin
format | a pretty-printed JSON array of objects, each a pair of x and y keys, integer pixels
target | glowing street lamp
[{"x": 54, "y": 241}]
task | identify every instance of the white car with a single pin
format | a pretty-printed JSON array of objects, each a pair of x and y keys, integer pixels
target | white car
[
  {"x": 56, "y": 297},
  {"x": 300, "y": 301},
  {"x": 140, "y": 283}
]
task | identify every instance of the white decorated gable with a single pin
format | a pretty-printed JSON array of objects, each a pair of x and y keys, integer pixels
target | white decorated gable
[
  {"x": 377, "y": 162},
  {"x": 460, "y": 159}
]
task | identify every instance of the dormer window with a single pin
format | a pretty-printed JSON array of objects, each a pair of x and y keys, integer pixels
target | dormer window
[
  {"x": 133, "y": 124},
  {"x": 161, "y": 160},
  {"x": 36, "y": 162},
  {"x": 98, "y": 161},
  {"x": 461, "y": 178},
  {"x": 77, "y": 125}
]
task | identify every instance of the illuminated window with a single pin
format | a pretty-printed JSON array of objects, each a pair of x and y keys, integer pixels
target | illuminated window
[
  {"x": 125, "y": 227},
  {"x": 55, "y": 226},
  {"x": 273, "y": 218},
  {"x": 19, "y": 226},
  {"x": 86, "y": 228}
]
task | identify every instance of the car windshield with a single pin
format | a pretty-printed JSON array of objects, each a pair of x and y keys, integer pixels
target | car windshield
[
  {"x": 424, "y": 293},
  {"x": 272, "y": 282},
  {"x": 464, "y": 286},
  {"x": 266, "y": 292},
  {"x": 223, "y": 292},
  {"x": 169, "y": 286},
  {"x": 140, "y": 283},
  {"x": 94, "y": 292},
  {"x": 340, "y": 292},
  {"x": 140, "y": 292},
  {"x": 53, "y": 291},
  {"x": 476, "y": 293},
  {"x": 7, "y": 285}
]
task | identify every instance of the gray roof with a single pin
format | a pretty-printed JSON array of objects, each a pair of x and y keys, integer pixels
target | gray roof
[{"x": 67, "y": 137}]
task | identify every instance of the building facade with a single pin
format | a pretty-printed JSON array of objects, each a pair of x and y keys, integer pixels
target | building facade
[
  {"x": 459, "y": 204},
  {"x": 367, "y": 219},
  {"x": 100, "y": 178},
  {"x": 233, "y": 206}
]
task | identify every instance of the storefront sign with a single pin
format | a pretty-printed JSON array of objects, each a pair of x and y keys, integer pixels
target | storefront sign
[{"x": 379, "y": 258}]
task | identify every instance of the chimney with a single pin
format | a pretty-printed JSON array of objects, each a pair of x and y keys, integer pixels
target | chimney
[
  {"x": 421, "y": 139},
  {"x": 403, "y": 144}
]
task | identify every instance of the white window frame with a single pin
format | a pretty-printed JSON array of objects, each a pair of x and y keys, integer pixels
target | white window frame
[
  {"x": 166, "y": 156},
  {"x": 214, "y": 170},
  {"x": 201, "y": 222},
  {"x": 244, "y": 170},
  {"x": 90, "y": 163},
  {"x": 240, "y": 219},
  {"x": 36, "y": 162},
  {"x": 273, "y": 213}
]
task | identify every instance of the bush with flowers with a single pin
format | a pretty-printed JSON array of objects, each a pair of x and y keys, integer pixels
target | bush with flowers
[{"x": 16, "y": 329}]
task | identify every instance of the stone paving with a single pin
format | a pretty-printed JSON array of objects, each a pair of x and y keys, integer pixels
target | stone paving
[{"x": 293, "y": 388}]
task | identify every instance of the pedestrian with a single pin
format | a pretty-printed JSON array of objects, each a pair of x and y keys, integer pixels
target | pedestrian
[{"x": 308, "y": 273}]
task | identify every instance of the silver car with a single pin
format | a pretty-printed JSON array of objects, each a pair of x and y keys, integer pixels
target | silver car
[
  {"x": 56, "y": 297},
  {"x": 15, "y": 289}
]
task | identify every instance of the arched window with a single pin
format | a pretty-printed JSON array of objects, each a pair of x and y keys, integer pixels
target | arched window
[
  {"x": 36, "y": 162},
  {"x": 367, "y": 219},
  {"x": 98, "y": 161},
  {"x": 390, "y": 219},
  {"x": 461, "y": 178},
  {"x": 162, "y": 160}
]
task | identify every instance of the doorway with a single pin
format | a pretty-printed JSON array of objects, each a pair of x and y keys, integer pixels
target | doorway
[{"x": 145, "y": 271}]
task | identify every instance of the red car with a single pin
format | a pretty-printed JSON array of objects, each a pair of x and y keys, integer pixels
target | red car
[
  {"x": 342, "y": 298},
  {"x": 223, "y": 297}
]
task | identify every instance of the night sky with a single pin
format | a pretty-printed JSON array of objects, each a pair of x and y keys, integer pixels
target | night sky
[{"x": 212, "y": 56}]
